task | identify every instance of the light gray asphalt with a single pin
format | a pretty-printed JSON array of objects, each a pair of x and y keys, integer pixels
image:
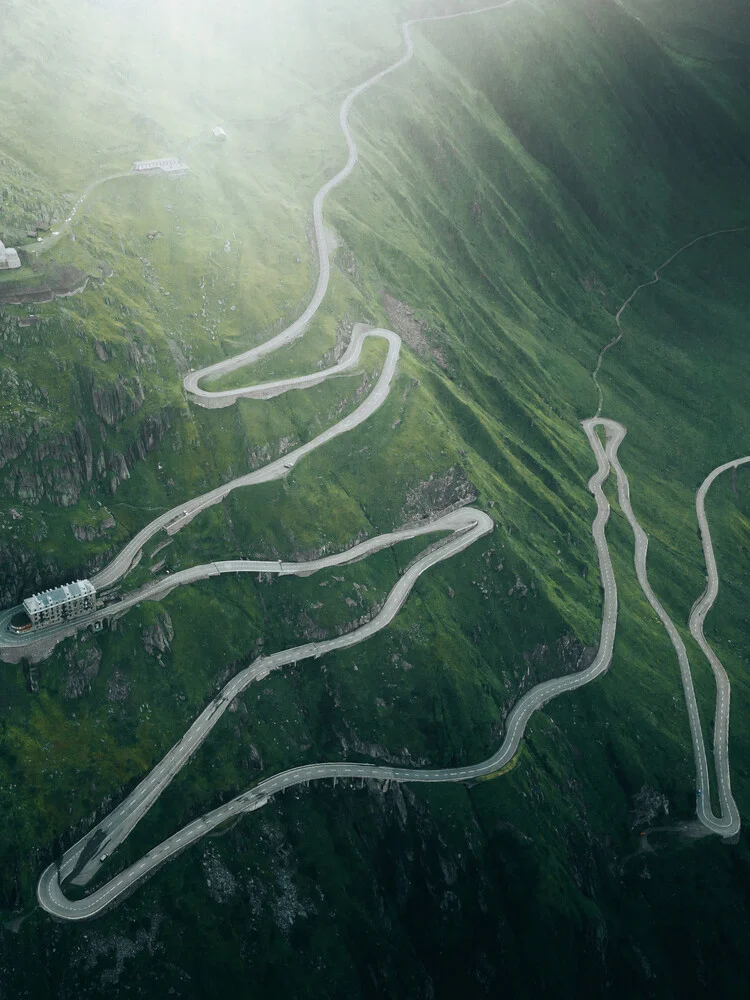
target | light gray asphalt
[
  {"x": 696, "y": 622},
  {"x": 728, "y": 823},
  {"x": 296, "y": 329},
  {"x": 80, "y": 863},
  {"x": 183, "y": 513}
]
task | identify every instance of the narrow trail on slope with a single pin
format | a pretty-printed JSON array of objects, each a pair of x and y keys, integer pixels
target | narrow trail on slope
[
  {"x": 49, "y": 241},
  {"x": 728, "y": 823},
  {"x": 653, "y": 281}
]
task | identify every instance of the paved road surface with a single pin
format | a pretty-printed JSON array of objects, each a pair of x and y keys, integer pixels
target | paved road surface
[
  {"x": 728, "y": 823},
  {"x": 296, "y": 329},
  {"x": 696, "y": 621},
  {"x": 81, "y": 862},
  {"x": 176, "y": 518}
]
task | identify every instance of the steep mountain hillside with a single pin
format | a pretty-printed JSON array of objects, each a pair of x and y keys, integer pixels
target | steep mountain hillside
[{"x": 517, "y": 181}]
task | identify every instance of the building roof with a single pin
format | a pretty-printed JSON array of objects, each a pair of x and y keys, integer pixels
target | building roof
[
  {"x": 8, "y": 257},
  {"x": 168, "y": 164},
  {"x": 59, "y": 595}
]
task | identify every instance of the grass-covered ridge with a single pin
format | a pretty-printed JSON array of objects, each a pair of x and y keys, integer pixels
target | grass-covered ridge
[{"x": 516, "y": 181}]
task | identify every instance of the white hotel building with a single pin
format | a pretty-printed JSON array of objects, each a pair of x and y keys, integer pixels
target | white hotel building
[{"x": 53, "y": 607}]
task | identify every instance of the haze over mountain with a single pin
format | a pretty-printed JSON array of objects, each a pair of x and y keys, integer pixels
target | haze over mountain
[{"x": 517, "y": 180}]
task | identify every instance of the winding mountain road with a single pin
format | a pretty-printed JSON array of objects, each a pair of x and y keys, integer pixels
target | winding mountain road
[
  {"x": 80, "y": 863},
  {"x": 83, "y": 861},
  {"x": 728, "y": 823},
  {"x": 695, "y": 623},
  {"x": 296, "y": 329}
]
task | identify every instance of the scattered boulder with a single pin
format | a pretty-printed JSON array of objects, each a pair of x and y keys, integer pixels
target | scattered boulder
[
  {"x": 117, "y": 687},
  {"x": 647, "y": 805}
]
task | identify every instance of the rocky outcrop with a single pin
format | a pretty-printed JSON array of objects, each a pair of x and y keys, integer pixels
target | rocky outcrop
[
  {"x": 12, "y": 445},
  {"x": 90, "y": 532},
  {"x": 115, "y": 401},
  {"x": 83, "y": 666},
  {"x": 117, "y": 687},
  {"x": 118, "y": 469},
  {"x": 55, "y": 468},
  {"x": 60, "y": 284},
  {"x": 42, "y": 466},
  {"x": 438, "y": 493},
  {"x": 157, "y": 638},
  {"x": 648, "y": 804},
  {"x": 22, "y": 574},
  {"x": 411, "y": 330}
]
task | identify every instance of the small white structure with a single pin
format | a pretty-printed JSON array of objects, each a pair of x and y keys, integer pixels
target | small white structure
[
  {"x": 166, "y": 165},
  {"x": 218, "y": 133},
  {"x": 8, "y": 258},
  {"x": 53, "y": 607}
]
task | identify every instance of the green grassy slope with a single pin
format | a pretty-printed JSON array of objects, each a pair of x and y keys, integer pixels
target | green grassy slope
[{"x": 516, "y": 182}]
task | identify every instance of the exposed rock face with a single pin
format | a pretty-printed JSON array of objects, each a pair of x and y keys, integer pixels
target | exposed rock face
[
  {"x": 221, "y": 884},
  {"x": 88, "y": 532},
  {"x": 117, "y": 687},
  {"x": 55, "y": 468},
  {"x": 12, "y": 444},
  {"x": 21, "y": 574},
  {"x": 83, "y": 666},
  {"x": 410, "y": 329},
  {"x": 647, "y": 805},
  {"x": 450, "y": 489},
  {"x": 117, "y": 400},
  {"x": 48, "y": 450},
  {"x": 119, "y": 470},
  {"x": 157, "y": 638}
]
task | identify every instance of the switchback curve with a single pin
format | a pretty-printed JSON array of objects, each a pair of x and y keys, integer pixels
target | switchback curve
[
  {"x": 727, "y": 824},
  {"x": 79, "y": 864}
]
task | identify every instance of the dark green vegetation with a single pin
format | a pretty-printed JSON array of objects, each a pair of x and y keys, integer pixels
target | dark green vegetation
[{"x": 517, "y": 180}]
